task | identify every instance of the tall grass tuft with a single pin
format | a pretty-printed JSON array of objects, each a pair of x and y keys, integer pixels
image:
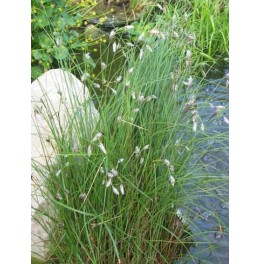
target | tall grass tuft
[
  {"x": 115, "y": 196},
  {"x": 209, "y": 22}
]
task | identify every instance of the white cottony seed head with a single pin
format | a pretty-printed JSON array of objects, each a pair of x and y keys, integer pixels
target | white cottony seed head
[
  {"x": 149, "y": 98},
  {"x": 82, "y": 196},
  {"x": 127, "y": 84},
  {"x": 112, "y": 34},
  {"x": 122, "y": 189},
  {"x": 135, "y": 110},
  {"x": 189, "y": 82},
  {"x": 190, "y": 38},
  {"x": 57, "y": 41},
  {"x": 130, "y": 45},
  {"x": 162, "y": 36},
  {"x": 186, "y": 17},
  {"x": 155, "y": 31},
  {"x": 97, "y": 136},
  {"x": 195, "y": 126},
  {"x": 141, "y": 97},
  {"x": 159, "y": 6},
  {"x": 175, "y": 88},
  {"x": 188, "y": 54},
  {"x": 226, "y": 120},
  {"x": 131, "y": 70},
  {"x": 113, "y": 90},
  {"x": 202, "y": 127},
  {"x": 149, "y": 48},
  {"x": 171, "y": 168},
  {"x": 227, "y": 83},
  {"x": 58, "y": 196},
  {"x": 89, "y": 151},
  {"x": 115, "y": 190},
  {"x": 175, "y": 35},
  {"x": 141, "y": 160},
  {"x": 220, "y": 107},
  {"x": 166, "y": 162},
  {"x": 103, "y": 66},
  {"x": 194, "y": 112},
  {"x": 137, "y": 150},
  {"x": 118, "y": 79},
  {"x": 110, "y": 175},
  {"x": 146, "y": 147},
  {"x": 120, "y": 160},
  {"x": 114, "y": 172},
  {"x": 96, "y": 85},
  {"x": 58, "y": 173},
  {"x": 140, "y": 37},
  {"x": 85, "y": 76},
  {"x": 114, "y": 47},
  {"x": 108, "y": 183},
  {"x": 179, "y": 213},
  {"x": 141, "y": 54},
  {"x": 87, "y": 56},
  {"x": 172, "y": 180},
  {"x": 102, "y": 148},
  {"x": 129, "y": 27},
  {"x": 194, "y": 117},
  {"x": 118, "y": 46}
]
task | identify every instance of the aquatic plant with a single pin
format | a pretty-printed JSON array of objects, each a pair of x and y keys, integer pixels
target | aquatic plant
[
  {"x": 128, "y": 192},
  {"x": 209, "y": 22},
  {"x": 116, "y": 196},
  {"x": 204, "y": 24},
  {"x": 55, "y": 31}
]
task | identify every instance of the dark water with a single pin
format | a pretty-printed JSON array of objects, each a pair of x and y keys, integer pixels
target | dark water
[{"x": 208, "y": 212}]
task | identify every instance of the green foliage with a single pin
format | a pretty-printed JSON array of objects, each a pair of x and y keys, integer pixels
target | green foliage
[
  {"x": 144, "y": 125},
  {"x": 208, "y": 20},
  {"x": 94, "y": 224},
  {"x": 36, "y": 261},
  {"x": 55, "y": 32},
  {"x": 203, "y": 24}
]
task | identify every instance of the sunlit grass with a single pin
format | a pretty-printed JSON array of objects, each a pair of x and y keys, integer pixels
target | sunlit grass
[{"x": 115, "y": 197}]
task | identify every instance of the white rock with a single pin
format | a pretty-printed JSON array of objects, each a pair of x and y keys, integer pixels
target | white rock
[{"x": 54, "y": 96}]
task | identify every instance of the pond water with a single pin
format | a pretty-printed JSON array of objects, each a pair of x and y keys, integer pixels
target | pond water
[
  {"x": 117, "y": 12},
  {"x": 209, "y": 211}
]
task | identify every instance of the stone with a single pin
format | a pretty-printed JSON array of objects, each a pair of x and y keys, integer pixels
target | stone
[{"x": 54, "y": 97}]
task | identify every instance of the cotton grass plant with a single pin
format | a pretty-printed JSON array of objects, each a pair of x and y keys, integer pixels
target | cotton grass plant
[
  {"x": 115, "y": 192},
  {"x": 208, "y": 24}
]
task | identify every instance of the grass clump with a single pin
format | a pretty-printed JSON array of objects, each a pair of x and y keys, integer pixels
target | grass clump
[
  {"x": 208, "y": 22},
  {"x": 115, "y": 193}
]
